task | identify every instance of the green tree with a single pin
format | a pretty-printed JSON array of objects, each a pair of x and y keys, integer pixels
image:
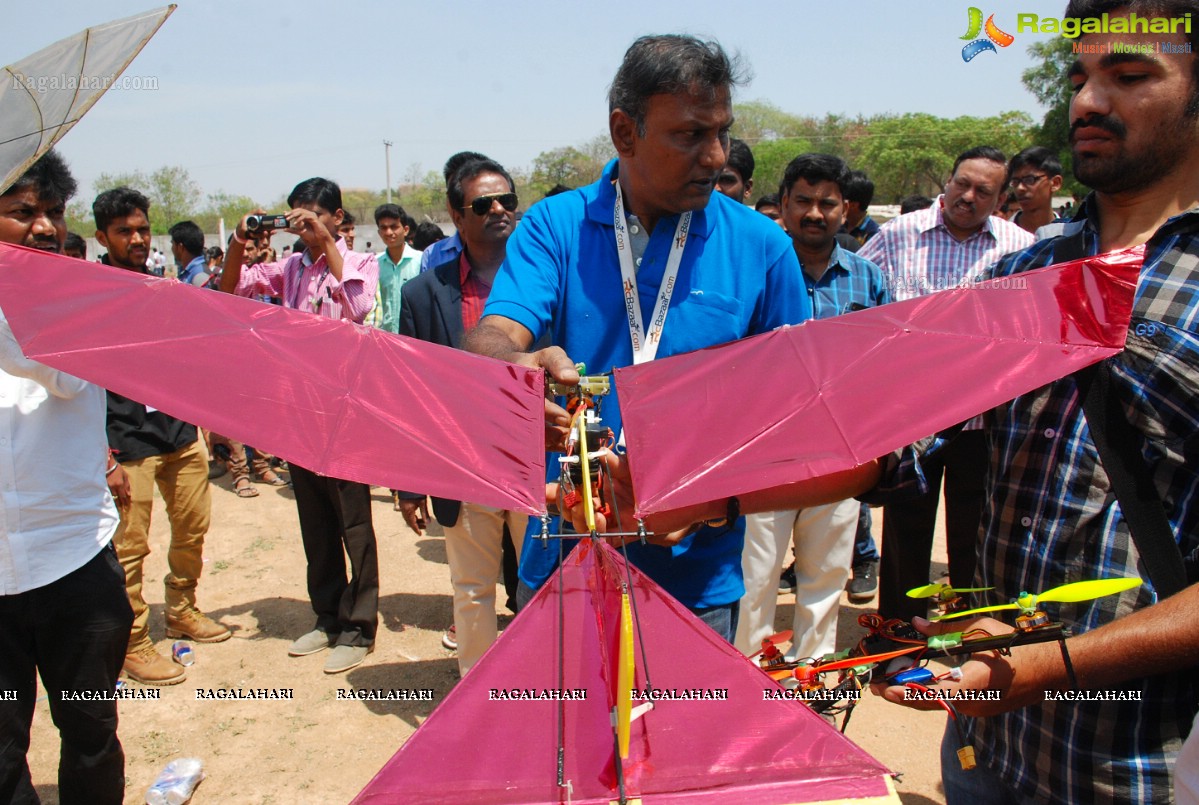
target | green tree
[
  {"x": 1049, "y": 83},
  {"x": 174, "y": 195},
  {"x": 771, "y": 158},
  {"x": 758, "y": 121},
  {"x": 222, "y": 206},
  {"x": 913, "y": 153}
]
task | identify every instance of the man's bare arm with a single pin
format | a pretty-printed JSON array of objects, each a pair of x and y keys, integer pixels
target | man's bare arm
[{"x": 1154, "y": 640}]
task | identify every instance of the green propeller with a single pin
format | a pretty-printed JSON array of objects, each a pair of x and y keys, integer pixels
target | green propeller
[
  {"x": 1066, "y": 594},
  {"x": 941, "y": 590}
]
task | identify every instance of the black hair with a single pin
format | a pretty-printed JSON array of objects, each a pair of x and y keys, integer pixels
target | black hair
[
  {"x": 814, "y": 168},
  {"x": 859, "y": 189},
  {"x": 1037, "y": 157},
  {"x": 392, "y": 211},
  {"x": 768, "y": 200},
  {"x": 347, "y": 218},
  {"x": 671, "y": 64},
  {"x": 987, "y": 152},
  {"x": 426, "y": 234},
  {"x": 557, "y": 189},
  {"x": 188, "y": 235},
  {"x": 469, "y": 170},
  {"x": 75, "y": 243},
  {"x": 118, "y": 202},
  {"x": 741, "y": 159},
  {"x": 321, "y": 192},
  {"x": 49, "y": 176},
  {"x": 913, "y": 203},
  {"x": 457, "y": 161}
]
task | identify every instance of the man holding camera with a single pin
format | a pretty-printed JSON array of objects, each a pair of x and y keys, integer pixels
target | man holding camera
[{"x": 325, "y": 279}]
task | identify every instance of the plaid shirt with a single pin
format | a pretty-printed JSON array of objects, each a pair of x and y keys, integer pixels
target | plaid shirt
[
  {"x": 474, "y": 294},
  {"x": 918, "y": 255},
  {"x": 1051, "y": 518},
  {"x": 848, "y": 284}
]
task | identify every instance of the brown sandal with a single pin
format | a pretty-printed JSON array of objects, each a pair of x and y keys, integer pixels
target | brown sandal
[{"x": 244, "y": 488}]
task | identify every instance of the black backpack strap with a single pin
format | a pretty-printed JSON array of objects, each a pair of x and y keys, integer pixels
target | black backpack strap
[{"x": 1118, "y": 444}]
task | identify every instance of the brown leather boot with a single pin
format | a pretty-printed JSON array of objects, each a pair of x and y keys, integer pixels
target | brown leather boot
[
  {"x": 147, "y": 666},
  {"x": 193, "y": 624}
]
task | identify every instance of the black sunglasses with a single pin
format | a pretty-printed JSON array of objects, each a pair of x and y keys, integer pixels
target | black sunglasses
[{"x": 482, "y": 205}]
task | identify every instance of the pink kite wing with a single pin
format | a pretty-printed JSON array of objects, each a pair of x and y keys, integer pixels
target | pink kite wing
[
  {"x": 832, "y": 394},
  {"x": 338, "y": 398},
  {"x": 714, "y": 735}
]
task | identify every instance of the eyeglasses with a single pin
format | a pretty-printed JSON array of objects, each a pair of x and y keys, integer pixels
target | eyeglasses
[
  {"x": 1026, "y": 181},
  {"x": 482, "y": 205}
]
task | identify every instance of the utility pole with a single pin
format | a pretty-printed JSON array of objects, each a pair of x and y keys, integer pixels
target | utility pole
[{"x": 387, "y": 158}]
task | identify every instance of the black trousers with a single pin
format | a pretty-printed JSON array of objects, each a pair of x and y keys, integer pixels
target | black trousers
[
  {"x": 74, "y": 632},
  {"x": 335, "y": 522},
  {"x": 908, "y": 528}
]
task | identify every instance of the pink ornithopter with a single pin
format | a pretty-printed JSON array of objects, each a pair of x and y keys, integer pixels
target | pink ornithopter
[{"x": 186, "y": 351}]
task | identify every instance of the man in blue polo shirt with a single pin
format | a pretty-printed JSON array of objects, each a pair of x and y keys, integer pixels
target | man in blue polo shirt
[{"x": 650, "y": 228}]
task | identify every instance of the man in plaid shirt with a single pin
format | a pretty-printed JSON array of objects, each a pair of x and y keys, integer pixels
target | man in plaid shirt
[{"x": 1051, "y": 516}]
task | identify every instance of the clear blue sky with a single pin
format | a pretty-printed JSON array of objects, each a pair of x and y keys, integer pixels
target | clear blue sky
[{"x": 254, "y": 97}]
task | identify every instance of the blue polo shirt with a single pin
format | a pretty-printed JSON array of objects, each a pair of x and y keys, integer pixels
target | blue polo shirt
[{"x": 738, "y": 276}]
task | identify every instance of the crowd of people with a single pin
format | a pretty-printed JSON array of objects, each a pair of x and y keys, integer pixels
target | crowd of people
[{"x": 664, "y": 255}]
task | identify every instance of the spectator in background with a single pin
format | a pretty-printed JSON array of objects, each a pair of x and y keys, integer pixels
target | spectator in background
[
  {"x": 425, "y": 235},
  {"x": 913, "y": 203},
  {"x": 1035, "y": 174},
  {"x": 837, "y": 282},
  {"x": 64, "y": 613},
  {"x": 75, "y": 246},
  {"x": 155, "y": 449},
  {"x": 346, "y": 229},
  {"x": 858, "y": 196},
  {"x": 398, "y": 263},
  {"x": 923, "y": 252},
  {"x": 187, "y": 247},
  {"x": 737, "y": 179},
  {"x": 324, "y": 278},
  {"x": 451, "y": 247},
  {"x": 768, "y": 205},
  {"x": 440, "y": 306}
]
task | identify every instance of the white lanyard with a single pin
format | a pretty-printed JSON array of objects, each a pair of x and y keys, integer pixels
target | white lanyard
[{"x": 645, "y": 347}]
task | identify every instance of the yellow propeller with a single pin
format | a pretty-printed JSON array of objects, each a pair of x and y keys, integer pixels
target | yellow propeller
[{"x": 1065, "y": 594}]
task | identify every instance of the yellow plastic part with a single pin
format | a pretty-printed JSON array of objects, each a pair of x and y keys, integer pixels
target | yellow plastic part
[
  {"x": 624, "y": 678},
  {"x": 966, "y": 758}
]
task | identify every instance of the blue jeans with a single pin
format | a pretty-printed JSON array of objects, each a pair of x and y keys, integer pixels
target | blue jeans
[
  {"x": 864, "y": 550},
  {"x": 722, "y": 619},
  {"x": 978, "y": 786}
]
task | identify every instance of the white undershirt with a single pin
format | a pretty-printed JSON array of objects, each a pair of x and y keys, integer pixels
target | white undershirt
[{"x": 57, "y": 511}]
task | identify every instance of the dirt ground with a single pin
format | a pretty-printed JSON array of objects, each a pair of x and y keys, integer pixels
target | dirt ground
[{"x": 318, "y": 749}]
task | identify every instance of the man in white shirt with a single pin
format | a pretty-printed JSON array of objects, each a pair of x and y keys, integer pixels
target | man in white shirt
[{"x": 63, "y": 609}]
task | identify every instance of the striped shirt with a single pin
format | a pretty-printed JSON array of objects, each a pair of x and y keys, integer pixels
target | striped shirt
[
  {"x": 918, "y": 255},
  {"x": 474, "y": 294},
  {"x": 1051, "y": 518},
  {"x": 308, "y": 286}
]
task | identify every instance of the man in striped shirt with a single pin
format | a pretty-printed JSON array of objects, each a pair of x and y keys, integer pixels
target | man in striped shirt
[
  {"x": 1052, "y": 516},
  {"x": 327, "y": 279},
  {"x": 923, "y": 252}
]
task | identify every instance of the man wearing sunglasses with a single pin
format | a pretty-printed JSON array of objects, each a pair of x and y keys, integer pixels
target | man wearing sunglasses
[
  {"x": 1034, "y": 175},
  {"x": 440, "y": 306}
]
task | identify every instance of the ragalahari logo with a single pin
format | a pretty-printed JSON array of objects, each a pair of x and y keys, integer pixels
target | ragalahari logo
[{"x": 995, "y": 36}]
